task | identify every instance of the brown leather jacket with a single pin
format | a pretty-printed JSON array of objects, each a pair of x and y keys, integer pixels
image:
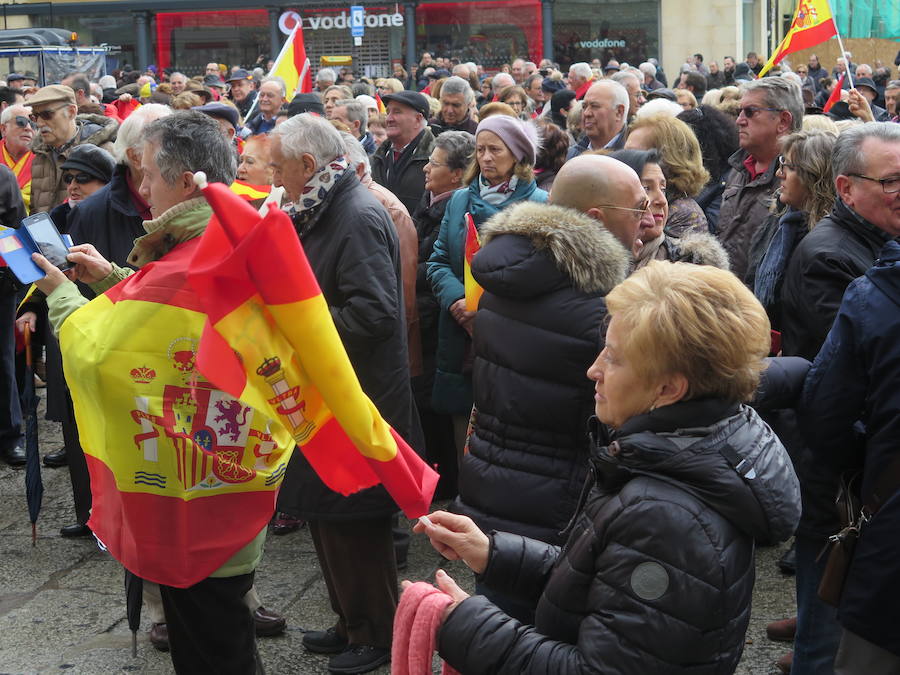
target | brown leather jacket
[
  {"x": 47, "y": 187},
  {"x": 745, "y": 207}
]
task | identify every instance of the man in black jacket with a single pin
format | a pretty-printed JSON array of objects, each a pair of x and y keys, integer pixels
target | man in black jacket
[
  {"x": 354, "y": 252},
  {"x": 398, "y": 162},
  {"x": 840, "y": 248}
]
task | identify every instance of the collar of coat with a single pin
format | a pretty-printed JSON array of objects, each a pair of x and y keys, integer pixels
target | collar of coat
[
  {"x": 581, "y": 247},
  {"x": 178, "y": 224}
]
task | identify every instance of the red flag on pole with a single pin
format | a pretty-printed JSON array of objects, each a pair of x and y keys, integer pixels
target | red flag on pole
[{"x": 835, "y": 94}]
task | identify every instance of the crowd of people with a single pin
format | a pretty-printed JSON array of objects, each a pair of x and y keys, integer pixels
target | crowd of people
[{"x": 682, "y": 349}]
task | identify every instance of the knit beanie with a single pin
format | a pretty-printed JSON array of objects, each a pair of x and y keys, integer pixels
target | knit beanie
[{"x": 520, "y": 138}]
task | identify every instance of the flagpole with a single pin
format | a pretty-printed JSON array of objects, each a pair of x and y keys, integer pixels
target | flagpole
[
  {"x": 840, "y": 44},
  {"x": 275, "y": 65}
]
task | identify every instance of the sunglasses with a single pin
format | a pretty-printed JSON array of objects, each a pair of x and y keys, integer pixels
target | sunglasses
[
  {"x": 22, "y": 122},
  {"x": 46, "y": 114},
  {"x": 750, "y": 111},
  {"x": 80, "y": 178}
]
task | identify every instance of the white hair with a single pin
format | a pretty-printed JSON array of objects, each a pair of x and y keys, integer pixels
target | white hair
[
  {"x": 501, "y": 78},
  {"x": 648, "y": 68},
  {"x": 354, "y": 153},
  {"x": 367, "y": 101},
  {"x": 582, "y": 70},
  {"x": 107, "y": 82},
  {"x": 310, "y": 134},
  {"x": 712, "y": 97},
  {"x": 623, "y": 75},
  {"x": 277, "y": 80},
  {"x": 659, "y": 106},
  {"x": 130, "y": 133},
  {"x": 326, "y": 75},
  {"x": 12, "y": 111},
  {"x": 618, "y": 91},
  {"x": 793, "y": 77}
]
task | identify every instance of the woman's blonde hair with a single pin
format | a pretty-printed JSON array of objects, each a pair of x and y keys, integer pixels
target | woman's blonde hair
[
  {"x": 185, "y": 101},
  {"x": 687, "y": 93},
  {"x": 680, "y": 152},
  {"x": 809, "y": 152},
  {"x": 391, "y": 83},
  {"x": 695, "y": 320}
]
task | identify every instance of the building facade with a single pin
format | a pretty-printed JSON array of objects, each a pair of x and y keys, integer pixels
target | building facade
[{"x": 190, "y": 33}]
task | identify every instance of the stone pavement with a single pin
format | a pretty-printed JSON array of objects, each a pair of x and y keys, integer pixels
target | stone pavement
[{"x": 62, "y": 604}]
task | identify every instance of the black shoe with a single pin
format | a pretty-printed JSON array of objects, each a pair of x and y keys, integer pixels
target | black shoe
[
  {"x": 56, "y": 458},
  {"x": 159, "y": 636},
  {"x": 359, "y": 659},
  {"x": 324, "y": 641},
  {"x": 788, "y": 562},
  {"x": 14, "y": 455},
  {"x": 76, "y": 530}
]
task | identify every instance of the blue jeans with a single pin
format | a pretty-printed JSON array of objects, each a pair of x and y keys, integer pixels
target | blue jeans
[{"x": 818, "y": 632}]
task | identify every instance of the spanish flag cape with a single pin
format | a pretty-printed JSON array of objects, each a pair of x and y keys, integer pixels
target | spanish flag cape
[{"x": 192, "y": 380}]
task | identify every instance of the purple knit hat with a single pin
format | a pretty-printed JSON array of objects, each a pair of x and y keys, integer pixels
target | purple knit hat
[{"x": 520, "y": 138}]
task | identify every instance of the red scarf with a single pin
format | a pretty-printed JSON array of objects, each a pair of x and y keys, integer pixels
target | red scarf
[{"x": 22, "y": 168}]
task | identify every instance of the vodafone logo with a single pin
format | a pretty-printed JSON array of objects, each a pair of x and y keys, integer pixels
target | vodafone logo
[{"x": 287, "y": 21}]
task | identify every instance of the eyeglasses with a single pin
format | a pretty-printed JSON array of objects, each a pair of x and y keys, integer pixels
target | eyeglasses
[
  {"x": 783, "y": 163},
  {"x": 644, "y": 206},
  {"x": 751, "y": 110},
  {"x": 22, "y": 122},
  {"x": 890, "y": 185},
  {"x": 46, "y": 114},
  {"x": 436, "y": 164},
  {"x": 80, "y": 178}
]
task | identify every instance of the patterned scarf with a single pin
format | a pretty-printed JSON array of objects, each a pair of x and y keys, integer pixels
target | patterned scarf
[
  {"x": 497, "y": 194},
  {"x": 317, "y": 188}
]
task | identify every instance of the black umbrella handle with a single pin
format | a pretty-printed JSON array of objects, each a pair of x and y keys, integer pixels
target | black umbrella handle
[{"x": 26, "y": 332}]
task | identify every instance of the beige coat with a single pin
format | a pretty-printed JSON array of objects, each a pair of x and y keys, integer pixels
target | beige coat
[{"x": 47, "y": 187}]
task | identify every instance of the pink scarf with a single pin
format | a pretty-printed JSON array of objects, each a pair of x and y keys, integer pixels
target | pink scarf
[{"x": 416, "y": 623}]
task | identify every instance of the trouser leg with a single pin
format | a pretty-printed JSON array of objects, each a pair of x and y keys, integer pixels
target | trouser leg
[
  {"x": 818, "y": 631},
  {"x": 210, "y": 628},
  {"x": 78, "y": 470},
  {"x": 357, "y": 560}
]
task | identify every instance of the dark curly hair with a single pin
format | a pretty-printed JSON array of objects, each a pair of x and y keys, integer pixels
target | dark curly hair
[
  {"x": 717, "y": 135},
  {"x": 554, "y": 146}
]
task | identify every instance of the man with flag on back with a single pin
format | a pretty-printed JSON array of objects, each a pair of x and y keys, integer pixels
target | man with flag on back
[{"x": 183, "y": 475}]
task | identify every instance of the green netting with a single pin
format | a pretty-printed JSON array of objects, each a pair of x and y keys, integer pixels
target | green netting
[{"x": 861, "y": 19}]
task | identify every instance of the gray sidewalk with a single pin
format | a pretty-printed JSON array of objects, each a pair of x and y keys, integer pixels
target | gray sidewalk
[{"x": 62, "y": 603}]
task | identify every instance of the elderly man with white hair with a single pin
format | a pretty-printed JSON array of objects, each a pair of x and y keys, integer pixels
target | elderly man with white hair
[
  {"x": 456, "y": 106},
  {"x": 354, "y": 252},
  {"x": 604, "y": 115},
  {"x": 650, "y": 81},
  {"x": 500, "y": 82},
  {"x": 324, "y": 79},
  {"x": 178, "y": 82},
  {"x": 580, "y": 78},
  {"x": 15, "y": 148}
]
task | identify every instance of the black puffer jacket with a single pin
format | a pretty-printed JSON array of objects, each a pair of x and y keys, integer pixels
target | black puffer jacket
[
  {"x": 545, "y": 270},
  {"x": 354, "y": 252},
  {"x": 658, "y": 571}
]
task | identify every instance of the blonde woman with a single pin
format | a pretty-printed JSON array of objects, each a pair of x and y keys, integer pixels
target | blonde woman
[
  {"x": 682, "y": 161},
  {"x": 658, "y": 570}
]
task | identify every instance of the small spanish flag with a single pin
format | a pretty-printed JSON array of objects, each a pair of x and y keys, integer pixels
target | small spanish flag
[
  {"x": 835, "y": 95},
  {"x": 812, "y": 24},
  {"x": 381, "y": 109},
  {"x": 473, "y": 245},
  {"x": 270, "y": 342},
  {"x": 249, "y": 191}
]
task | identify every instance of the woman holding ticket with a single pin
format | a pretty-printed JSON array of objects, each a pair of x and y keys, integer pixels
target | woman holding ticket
[{"x": 658, "y": 570}]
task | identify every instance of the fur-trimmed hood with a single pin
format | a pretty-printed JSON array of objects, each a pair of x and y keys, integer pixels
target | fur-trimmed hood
[
  {"x": 580, "y": 249},
  {"x": 701, "y": 248}
]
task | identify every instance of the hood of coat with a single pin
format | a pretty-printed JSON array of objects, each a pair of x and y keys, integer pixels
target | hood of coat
[
  {"x": 886, "y": 272},
  {"x": 701, "y": 248},
  {"x": 736, "y": 465},
  {"x": 525, "y": 245}
]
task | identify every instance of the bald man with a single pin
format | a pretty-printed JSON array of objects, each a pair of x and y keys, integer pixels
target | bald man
[{"x": 606, "y": 190}]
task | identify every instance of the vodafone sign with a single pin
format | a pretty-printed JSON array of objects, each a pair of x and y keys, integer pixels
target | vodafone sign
[{"x": 288, "y": 20}]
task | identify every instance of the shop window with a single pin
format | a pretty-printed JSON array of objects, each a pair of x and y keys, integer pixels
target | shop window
[
  {"x": 115, "y": 28},
  {"x": 585, "y": 30}
]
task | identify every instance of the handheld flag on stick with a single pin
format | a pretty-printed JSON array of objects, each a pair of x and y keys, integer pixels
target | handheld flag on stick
[
  {"x": 835, "y": 94},
  {"x": 473, "y": 245},
  {"x": 249, "y": 191},
  {"x": 270, "y": 342},
  {"x": 292, "y": 66},
  {"x": 813, "y": 23}
]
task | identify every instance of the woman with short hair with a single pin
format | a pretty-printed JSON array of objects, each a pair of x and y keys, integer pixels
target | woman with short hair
[
  {"x": 657, "y": 573},
  {"x": 683, "y": 161}
]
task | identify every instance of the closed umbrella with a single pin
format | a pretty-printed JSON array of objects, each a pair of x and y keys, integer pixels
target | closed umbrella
[
  {"x": 34, "y": 486},
  {"x": 134, "y": 598}
]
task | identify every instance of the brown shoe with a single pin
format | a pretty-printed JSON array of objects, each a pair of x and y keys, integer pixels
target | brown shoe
[
  {"x": 268, "y": 623},
  {"x": 159, "y": 636},
  {"x": 782, "y": 631},
  {"x": 784, "y": 663}
]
